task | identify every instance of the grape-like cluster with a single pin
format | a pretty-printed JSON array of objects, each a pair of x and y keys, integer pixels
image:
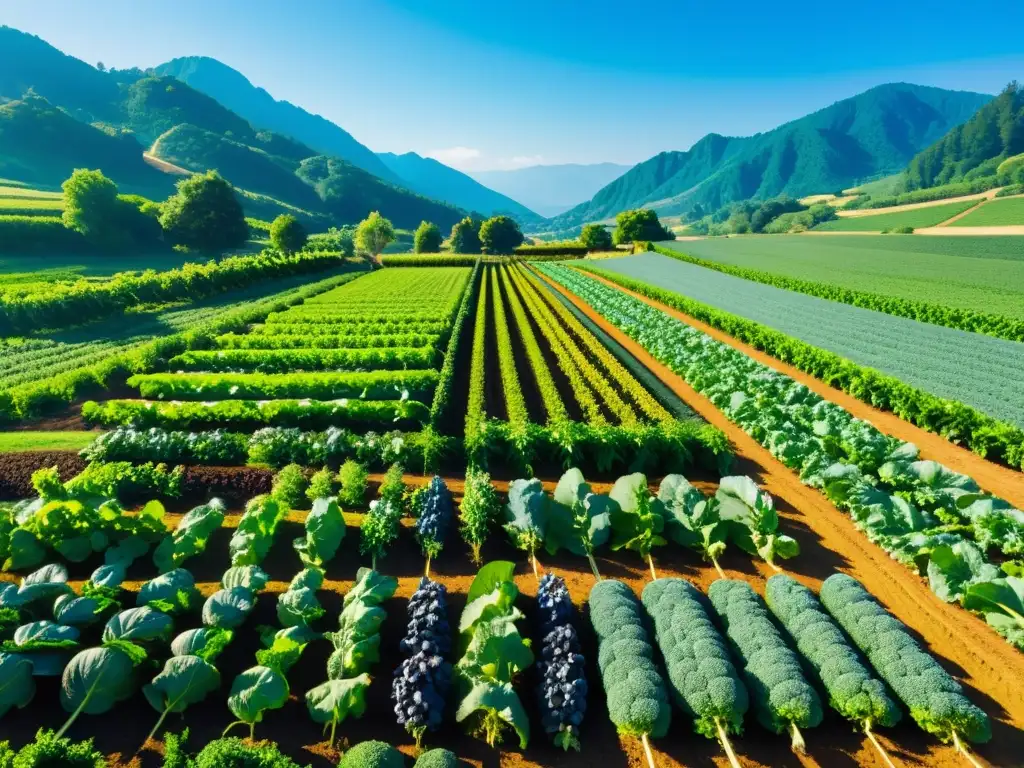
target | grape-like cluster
[
  {"x": 422, "y": 680},
  {"x": 435, "y": 516},
  {"x": 562, "y": 692}
]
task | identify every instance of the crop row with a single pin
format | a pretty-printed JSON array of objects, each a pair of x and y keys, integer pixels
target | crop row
[
  {"x": 56, "y": 305},
  {"x": 1000, "y": 326},
  {"x": 286, "y": 360},
  {"x": 925, "y": 515},
  {"x": 783, "y": 656},
  {"x": 325, "y": 341},
  {"x": 55, "y": 383},
  {"x": 854, "y": 355}
]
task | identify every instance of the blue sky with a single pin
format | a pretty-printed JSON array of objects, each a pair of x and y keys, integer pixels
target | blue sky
[{"x": 504, "y": 84}]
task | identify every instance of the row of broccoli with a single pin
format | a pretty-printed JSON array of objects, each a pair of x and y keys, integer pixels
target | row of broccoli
[{"x": 836, "y": 645}]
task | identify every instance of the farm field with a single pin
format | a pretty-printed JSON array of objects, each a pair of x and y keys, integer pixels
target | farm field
[
  {"x": 71, "y": 266},
  {"x": 917, "y": 218},
  {"x": 1001, "y": 212},
  {"x": 982, "y": 274},
  {"x": 956, "y": 365},
  {"x": 466, "y": 369}
]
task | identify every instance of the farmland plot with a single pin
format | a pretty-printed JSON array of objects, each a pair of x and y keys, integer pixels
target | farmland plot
[{"x": 981, "y": 371}]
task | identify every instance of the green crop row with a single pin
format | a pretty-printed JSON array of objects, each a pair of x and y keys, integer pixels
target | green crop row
[
  {"x": 287, "y": 360},
  {"x": 446, "y": 382},
  {"x": 1000, "y": 326},
  {"x": 325, "y": 341}
]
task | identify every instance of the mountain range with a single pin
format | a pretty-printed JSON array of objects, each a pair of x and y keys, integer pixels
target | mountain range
[
  {"x": 551, "y": 189},
  {"x": 872, "y": 134}
]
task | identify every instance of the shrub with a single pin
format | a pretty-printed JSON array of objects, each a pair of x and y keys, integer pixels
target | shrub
[
  {"x": 205, "y": 214},
  {"x": 427, "y": 238},
  {"x": 500, "y": 234},
  {"x": 290, "y": 486},
  {"x": 19, "y": 234},
  {"x": 353, "y": 479},
  {"x": 287, "y": 234},
  {"x": 596, "y": 237},
  {"x": 321, "y": 485},
  {"x": 465, "y": 237},
  {"x": 639, "y": 224}
]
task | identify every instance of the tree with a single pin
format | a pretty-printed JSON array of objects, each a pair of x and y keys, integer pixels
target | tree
[
  {"x": 500, "y": 234},
  {"x": 101, "y": 66},
  {"x": 91, "y": 206},
  {"x": 205, "y": 214},
  {"x": 287, "y": 234},
  {"x": 427, "y": 238},
  {"x": 334, "y": 239},
  {"x": 373, "y": 234},
  {"x": 639, "y": 224},
  {"x": 465, "y": 237},
  {"x": 596, "y": 237}
]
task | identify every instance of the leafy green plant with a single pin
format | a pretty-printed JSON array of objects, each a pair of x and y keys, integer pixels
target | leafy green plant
[
  {"x": 290, "y": 485},
  {"x": 325, "y": 530},
  {"x": 478, "y": 510},
  {"x": 494, "y": 654},
  {"x": 48, "y": 748},
  {"x": 353, "y": 478},
  {"x": 379, "y": 529},
  {"x": 372, "y": 754},
  {"x": 392, "y": 487},
  {"x": 356, "y": 647},
  {"x": 298, "y": 605},
  {"x": 755, "y": 523},
  {"x": 693, "y": 520},
  {"x": 321, "y": 485},
  {"x": 225, "y": 753},
  {"x": 578, "y": 519},
  {"x": 526, "y": 517},
  {"x": 251, "y": 540},
  {"x": 637, "y": 518},
  {"x": 190, "y": 536}
]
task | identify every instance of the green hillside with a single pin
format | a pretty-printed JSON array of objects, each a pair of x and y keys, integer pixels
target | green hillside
[
  {"x": 232, "y": 89},
  {"x": 975, "y": 149},
  {"x": 75, "y": 116},
  {"x": 867, "y": 136}
]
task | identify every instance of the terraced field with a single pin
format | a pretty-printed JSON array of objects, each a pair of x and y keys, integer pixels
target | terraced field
[
  {"x": 983, "y": 372},
  {"x": 1001, "y": 212}
]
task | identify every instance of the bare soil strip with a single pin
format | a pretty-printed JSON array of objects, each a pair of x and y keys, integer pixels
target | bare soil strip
[
  {"x": 969, "y": 649},
  {"x": 860, "y": 212}
]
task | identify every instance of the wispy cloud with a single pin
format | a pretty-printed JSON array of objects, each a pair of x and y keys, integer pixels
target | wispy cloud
[{"x": 470, "y": 159}]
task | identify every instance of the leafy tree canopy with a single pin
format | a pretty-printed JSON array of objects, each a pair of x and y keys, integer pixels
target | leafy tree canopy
[
  {"x": 287, "y": 234},
  {"x": 500, "y": 234},
  {"x": 596, "y": 237},
  {"x": 373, "y": 234},
  {"x": 427, "y": 238},
  {"x": 465, "y": 237},
  {"x": 639, "y": 224},
  {"x": 93, "y": 207},
  {"x": 205, "y": 214}
]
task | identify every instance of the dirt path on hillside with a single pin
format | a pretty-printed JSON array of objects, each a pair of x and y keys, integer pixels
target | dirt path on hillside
[
  {"x": 988, "y": 663},
  {"x": 1011, "y": 229},
  {"x": 859, "y": 212},
  {"x": 994, "y": 478}
]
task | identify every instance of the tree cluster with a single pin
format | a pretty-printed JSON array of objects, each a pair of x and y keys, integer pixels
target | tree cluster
[{"x": 640, "y": 224}]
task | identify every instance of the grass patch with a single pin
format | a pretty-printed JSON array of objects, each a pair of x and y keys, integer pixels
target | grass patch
[
  {"x": 1001, "y": 212},
  {"x": 985, "y": 274},
  {"x": 917, "y": 218},
  {"x": 9, "y": 189},
  {"x": 17, "y": 442}
]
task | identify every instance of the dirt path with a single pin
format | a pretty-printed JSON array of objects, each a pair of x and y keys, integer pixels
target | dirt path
[
  {"x": 1003, "y": 481},
  {"x": 959, "y": 216},
  {"x": 989, "y": 665},
  {"x": 859, "y": 212},
  {"x": 1010, "y": 229}
]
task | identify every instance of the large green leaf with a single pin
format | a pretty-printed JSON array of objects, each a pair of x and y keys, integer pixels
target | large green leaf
[
  {"x": 489, "y": 577},
  {"x": 248, "y": 576},
  {"x": 138, "y": 625},
  {"x": 577, "y": 519},
  {"x": 499, "y": 602},
  {"x": 952, "y": 569},
  {"x": 205, "y": 642},
  {"x": 173, "y": 592},
  {"x": 334, "y": 700},
  {"x": 228, "y": 608},
  {"x": 526, "y": 514},
  {"x": 96, "y": 679},
  {"x": 256, "y": 690},
  {"x": 497, "y": 650},
  {"x": 298, "y": 607},
  {"x": 371, "y": 588},
  {"x": 185, "y": 680},
  {"x": 17, "y": 686},
  {"x": 497, "y": 700},
  {"x": 325, "y": 530},
  {"x": 190, "y": 536}
]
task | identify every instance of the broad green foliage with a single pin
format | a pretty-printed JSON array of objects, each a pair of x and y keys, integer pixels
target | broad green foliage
[
  {"x": 578, "y": 520},
  {"x": 255, "y": 532},
  {"x": 693, "y": 520},
  {"x": 494, "y": 653},
  {"x": 783, "y": 698},
  {"x": 853, "y": 690},
  {"x": 526, "y": 515},
  {"x": 935, "y": 700},
  {"x": 596, "y": 237},
  {"x": 641, "y": 224},
  {"x": 500, "y": 234},
  {"x": 373, "y": 234},
  {"x": 465, "y": 237},
  {"x": 637, "y": 699},
  {"x": 702, "y": 678},
  {"x": 356, "y": 647},
  {"x": 325, "y": 530},
  {"x": 427, "y": 238},
  {"x": 190, "y": 536},
  {"x": 287, "y": 234},
  {"x": 637, "y": 517},
  {"x": 298, "y": 605},
  {"x": 93, "y": 208},
  {"x": 205, "y": 214},
  {"x": 1001, "y": 602},
  {"x": 171, "y": 592},
  {"x": 755, "y": 523}
]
